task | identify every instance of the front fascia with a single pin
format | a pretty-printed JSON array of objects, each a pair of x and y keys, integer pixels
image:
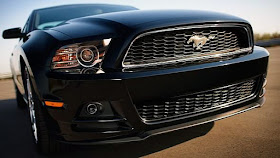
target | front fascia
[{"x": 122, "y": 89}]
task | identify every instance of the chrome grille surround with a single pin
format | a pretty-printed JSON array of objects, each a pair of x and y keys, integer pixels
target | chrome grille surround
[
  {"x": 198, "y": 103},
  {"x": 169, "y": 46}
]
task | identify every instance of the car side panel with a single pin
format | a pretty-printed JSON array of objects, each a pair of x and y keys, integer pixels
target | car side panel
[{"x": 16, "y": 67}]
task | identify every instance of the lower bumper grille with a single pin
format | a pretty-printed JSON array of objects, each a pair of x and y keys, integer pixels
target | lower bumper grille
[{"x": 197, "y": 103}]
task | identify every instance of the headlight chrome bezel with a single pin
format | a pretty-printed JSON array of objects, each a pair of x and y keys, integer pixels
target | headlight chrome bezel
[{"x": 71, "y": 57}]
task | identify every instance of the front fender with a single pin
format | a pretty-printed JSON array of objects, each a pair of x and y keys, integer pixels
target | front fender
[{"x": 36, "y": 53}]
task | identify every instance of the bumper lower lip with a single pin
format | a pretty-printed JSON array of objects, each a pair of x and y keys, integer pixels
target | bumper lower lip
[{"x": 150, "y": 133}]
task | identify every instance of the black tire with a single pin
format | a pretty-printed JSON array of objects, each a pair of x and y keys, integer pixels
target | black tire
[
  {"x": 45, "y": 142},
  {"x": 20, "y": 101}
]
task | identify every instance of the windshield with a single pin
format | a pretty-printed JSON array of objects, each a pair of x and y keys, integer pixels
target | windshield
[{"x": 51, "y": 17}]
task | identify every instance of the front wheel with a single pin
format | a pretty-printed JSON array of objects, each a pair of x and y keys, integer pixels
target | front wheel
[{"x": 45, "y": 142}]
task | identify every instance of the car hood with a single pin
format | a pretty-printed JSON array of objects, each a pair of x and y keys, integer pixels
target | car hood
[{"x": 118, "y": 23}]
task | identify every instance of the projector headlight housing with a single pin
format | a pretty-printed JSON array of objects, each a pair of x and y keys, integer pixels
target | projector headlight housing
[{"x": 79, "y": 57}]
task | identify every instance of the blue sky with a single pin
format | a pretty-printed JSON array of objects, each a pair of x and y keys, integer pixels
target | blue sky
[{"x": 262, "y": 14}]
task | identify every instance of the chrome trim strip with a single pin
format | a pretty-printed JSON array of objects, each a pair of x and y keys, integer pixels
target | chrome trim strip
[
  {"x": 240, "y": 51},
  {"x": 256, "y": 105},
  {"x": 100, "y": 121},
  {"x": 263, "y": 91},
  {"x": 197, "y": 113},
  {"x": 264, "y": 83},
  {"x": 64, "y": 62},
  {"x": 219, "y": 107},
  {"x": 183, "y": 28},
  {"x": 65, "y": 53}
]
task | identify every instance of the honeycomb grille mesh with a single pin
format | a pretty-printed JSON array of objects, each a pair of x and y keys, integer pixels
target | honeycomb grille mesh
[
  {"x": 173, "y": 46},
  {"x": 196, "y": 103}
]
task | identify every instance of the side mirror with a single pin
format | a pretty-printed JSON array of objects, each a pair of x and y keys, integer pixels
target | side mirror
[{"x": 12, "y": 33}]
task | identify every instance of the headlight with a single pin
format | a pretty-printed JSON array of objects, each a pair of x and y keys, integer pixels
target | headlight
[{"x": 80, "y": 57}]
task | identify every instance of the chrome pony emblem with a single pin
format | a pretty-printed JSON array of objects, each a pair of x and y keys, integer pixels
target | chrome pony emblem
[{"x": 199, "y": 41}]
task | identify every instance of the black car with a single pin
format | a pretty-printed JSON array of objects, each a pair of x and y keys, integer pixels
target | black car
[{"x": 96, "y": 73}]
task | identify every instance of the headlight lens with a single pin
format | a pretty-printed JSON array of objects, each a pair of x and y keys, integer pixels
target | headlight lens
[
  {"x": 79, "y": 57},
  {"x": 88, "y": 56}
]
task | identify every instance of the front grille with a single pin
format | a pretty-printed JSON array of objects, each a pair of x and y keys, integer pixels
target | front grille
[
  {"x": 187, "y": 45},
  {"x": 196, "y": 103}
]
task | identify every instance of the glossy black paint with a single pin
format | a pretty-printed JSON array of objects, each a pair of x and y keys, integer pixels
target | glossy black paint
[
  {"x": 122, "y": 89},
  {"x": 118, "y": 90},
  {"x": 13, "y": 33},
  {"x": 123, "y": 27}
]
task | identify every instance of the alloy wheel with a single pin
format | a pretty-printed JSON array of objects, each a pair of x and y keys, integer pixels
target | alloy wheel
[{"x": 31, "y": 107}]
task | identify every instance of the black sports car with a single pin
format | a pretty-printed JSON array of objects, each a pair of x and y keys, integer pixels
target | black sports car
[{"x": 94, "y": 73}]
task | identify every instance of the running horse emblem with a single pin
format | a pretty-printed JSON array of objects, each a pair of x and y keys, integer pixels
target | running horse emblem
[{"x": 199, "y": 41}]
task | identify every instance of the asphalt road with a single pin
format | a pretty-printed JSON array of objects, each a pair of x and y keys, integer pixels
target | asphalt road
[{"x": 252, "y": 134}]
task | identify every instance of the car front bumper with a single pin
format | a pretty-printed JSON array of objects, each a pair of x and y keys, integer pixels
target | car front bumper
[
  {"x": 199, "y": 121},
  {"x": 118, "y": 91}
]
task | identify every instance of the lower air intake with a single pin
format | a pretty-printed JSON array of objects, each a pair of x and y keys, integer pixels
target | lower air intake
[{"x": 196, "y": 103}]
